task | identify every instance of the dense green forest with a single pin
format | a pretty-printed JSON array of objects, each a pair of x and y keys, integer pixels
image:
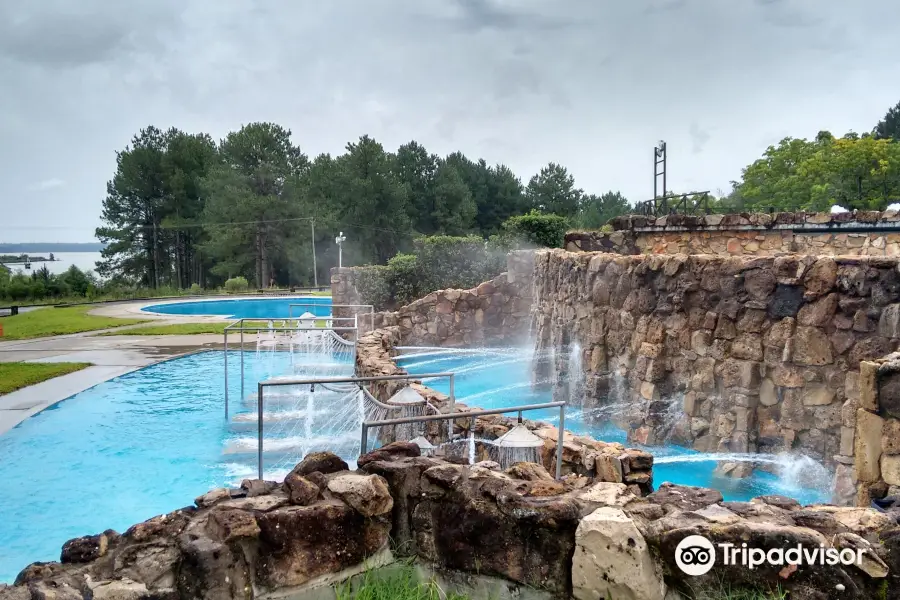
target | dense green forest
[{"x": 182, "y": 209}]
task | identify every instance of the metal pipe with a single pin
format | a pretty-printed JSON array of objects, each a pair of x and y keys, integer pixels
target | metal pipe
[
  {"x": 226, "y": 374},
  {"x": 242, "y": 363},
  {"x": 259, "y": 416},
  {"x": 307, "y": 380},
  {"x": 559, "y": 441},
  {"x": 467, "y": 414},
  {"x": 296, "y": 329},
  {"x": 364, "y": 441},
  {"x": 452, "y": 406}
]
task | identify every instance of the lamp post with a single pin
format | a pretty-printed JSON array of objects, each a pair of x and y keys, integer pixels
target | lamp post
[{"x": 339, "y": 240}]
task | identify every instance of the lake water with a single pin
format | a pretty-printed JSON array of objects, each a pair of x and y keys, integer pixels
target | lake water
[{"x": 83, "y": 260}]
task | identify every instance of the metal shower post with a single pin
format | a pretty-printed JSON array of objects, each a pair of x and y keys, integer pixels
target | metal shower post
[
  {"x": 226, "y": 373},
  {"x": 259, "y": 416}
]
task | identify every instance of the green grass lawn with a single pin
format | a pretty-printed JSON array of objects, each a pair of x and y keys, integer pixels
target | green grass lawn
[
  {"x": 400, "y": 585},
  {"x": 193, "y": 329},
  {"x": 44, "y": 322},
  {"x": 14, "y": 376}
]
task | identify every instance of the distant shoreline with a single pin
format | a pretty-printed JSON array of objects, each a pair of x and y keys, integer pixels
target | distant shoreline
[
  {"x": 31, "y": 259},
  {"x": 55, "y": 248}
]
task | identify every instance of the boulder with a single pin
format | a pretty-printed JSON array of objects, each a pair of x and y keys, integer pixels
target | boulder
[
  {"x": 612, "y": 560},
  {"x": 392, "y": 451},
  {"x": 529, "y": 471},
  {"x": 369, "y": 495},
  {"x": 323, "y": 462},
  {"x": 121, "y": 589},
  {"x": 227, "y": 525},
  {"x": 86, "y": 549},
  {"x": 300, "y": 490},
  {"x": 257, "y": 487},
  {"x": 684, "y": 497},
  {"x": 300, "y": 543}
]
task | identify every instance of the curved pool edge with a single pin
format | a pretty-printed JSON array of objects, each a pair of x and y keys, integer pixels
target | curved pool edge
[
  {"x": 143, "y": 308},
  {"x": 51, "y": 392}
]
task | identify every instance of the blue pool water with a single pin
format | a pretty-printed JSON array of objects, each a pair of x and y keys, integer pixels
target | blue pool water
[
  {"x": 137, "y": 446},
  {"x": 496, "y": 380},
  {"x": 254, "y": 308}
]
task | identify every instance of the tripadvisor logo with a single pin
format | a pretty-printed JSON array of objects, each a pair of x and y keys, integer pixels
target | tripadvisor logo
[{"x": 695, "y": 555}]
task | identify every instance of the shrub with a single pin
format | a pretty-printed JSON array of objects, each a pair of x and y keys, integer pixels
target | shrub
[
  {"x": 236, "y": 285},
  {"x": 439, "y": 262},
  {"x": 196, "y": 289},
  {"x": 404, "y": 278},
  {"x": 535, "y": 229},
  {"x": 373, "y": 285}
]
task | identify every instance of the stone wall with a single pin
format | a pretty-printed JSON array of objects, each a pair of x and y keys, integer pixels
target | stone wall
[
  {"x": 863, "y": 233},
  {"x": 548, "y": 539},
  {"x": 582, "y": 455},
  {"x": 725, "y": 354},
  {"x": 494, "y": 312}
]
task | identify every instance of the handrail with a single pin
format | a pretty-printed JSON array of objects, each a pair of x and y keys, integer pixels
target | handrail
[
  {"x": 332, "y": 306},
  {"x": 238, "y": 326},
  {"x": 260, "y": 386},
  {"x": 364, "y": 441}
]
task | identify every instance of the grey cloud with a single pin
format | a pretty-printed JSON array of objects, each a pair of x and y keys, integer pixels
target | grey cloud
[
  {"x": 523, "y": 82},
  {"x": 61, "y": 34}
]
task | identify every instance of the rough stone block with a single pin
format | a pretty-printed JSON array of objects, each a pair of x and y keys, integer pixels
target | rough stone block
[
  {"x": 748, "y": 346},
  {"x": 612, "y": 559},
  {"x": 847, "y": 437},
  {"x": 817, "y": 395},
  {"x": 812, "y": 347},
  {"x": 890, "y": 439},
  {"x": 819, "y": 312},
  {"x": 890, "y": 469},
  {"x": 888, "y": 391},
  {"x": 889, "y": 322},
  {"x": 740, "y": 373},
  {"x": 700, "y": 341},
  {"x": 867, "y": 446},
  {"x": 868, "y": 386},
  {"x": 768, "y": 395},
  {"x": 648, "y": 391}
]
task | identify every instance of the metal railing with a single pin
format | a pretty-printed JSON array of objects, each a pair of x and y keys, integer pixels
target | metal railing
[
  {"x": 312, "y": 381},
  {"x": 238, "y": 326},
  {"x": 370, "y": 311},
  {"x": 692, "y": 203},
  {"x": 364, "y": 440}
]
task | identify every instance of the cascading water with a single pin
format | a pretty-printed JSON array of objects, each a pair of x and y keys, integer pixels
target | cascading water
[{"x": 576, "y": 376}]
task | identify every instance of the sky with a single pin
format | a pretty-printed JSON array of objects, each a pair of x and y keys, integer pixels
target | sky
[{"x": 590, "y": 84}]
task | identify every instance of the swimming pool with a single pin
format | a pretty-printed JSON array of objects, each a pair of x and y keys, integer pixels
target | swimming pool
[
  {"x": 249, "y": 308},
  {"x": 128, "y": 449},
  {"x": 494, "y": 379},
  {"x": 148, "y": 442}
]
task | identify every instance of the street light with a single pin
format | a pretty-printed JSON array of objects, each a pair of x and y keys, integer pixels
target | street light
[{"x": 339, "y": 240}]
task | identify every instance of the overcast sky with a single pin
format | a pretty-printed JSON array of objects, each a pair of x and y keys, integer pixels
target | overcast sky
[{"x": 591, "y": 84}]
